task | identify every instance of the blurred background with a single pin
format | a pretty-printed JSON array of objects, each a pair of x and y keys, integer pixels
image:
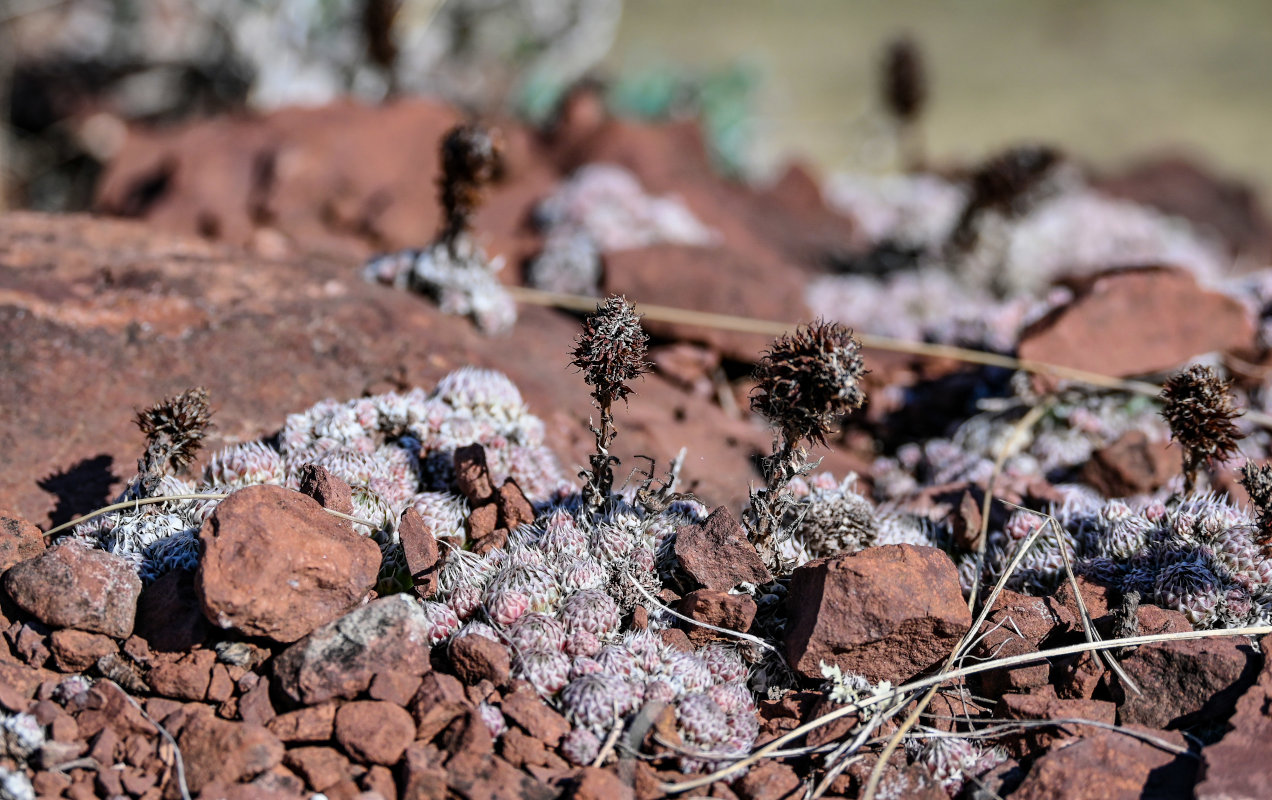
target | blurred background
[{"x": 1108, "y": 81}]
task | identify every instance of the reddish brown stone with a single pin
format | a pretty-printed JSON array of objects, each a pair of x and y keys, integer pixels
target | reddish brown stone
[
  {"x": 76, "y": 651},
  {"x": 31, "y": 643},
  {"x": 424, "y": 776},
  {"x": 591, "y": 783},
  {"x": 714, "y": 607},
  {"x": 476, "y": 658},
  {"x": 1154, "y": 621},
  {"x": 495, "y": 540},
  {"x": 182, "y": 677},
  {"x": 518, "y": 749},
  {"x": 340, "y": 658},
  {"x": 514, "y": 508},
  {"x": 524, "y": 708},
  {"x": 1187, "y": 682},
  {"x": 394, "y": 687},
  {"x": 717, "y": 553},
  {"x": 73, "y": 586},
  {"x": 472, "y": 476},
  {"x": 482, "y": 521},
  {"x": 231, "y": 751},
  {"x": 254, "y": 704},
  {"x": 19, "y": 539},
  {"x": 275, "y": 565},
  {"x": 312, "y": 724},
  {"x": 487, "y": 776},
  {"x": 1043, "y": 704},
  {"x": 373, "y": 731},
  {"x": 319, "y": 766},
  {"x": 1104, "y": 765},
  {"x": 886, "y": 613},
  {"x": 1137, "y": 321},
  {"x": 687, "y": 365},
  {"x": 107, "y": 707},
  {"x": 1133, "y": 464},
  {"x": 438, "y": 702},
  {"x": 1235, "y": 767},
  {"x": 220, "y": 686},
  {"x": 469, "y": 735},
  {"x": 769, "y": 780},
  {"x": 379, "y": 779},
  {"x": 419, "y": 546},
  {"x": 329, "y": 490}
]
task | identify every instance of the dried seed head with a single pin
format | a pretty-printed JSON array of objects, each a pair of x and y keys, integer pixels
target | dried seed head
[
  {"x": 1257, "y": 480},
  {"x": 174, "y": 430},
  {"x": 1198, "y": 407},
  {"x": 904, "y": 79},
  {"x": 1004, "y": 181},
  {"x": 809, "y": 379},
  {"x": 611, "y": 350},
  {"x": 472, "y": 157}
]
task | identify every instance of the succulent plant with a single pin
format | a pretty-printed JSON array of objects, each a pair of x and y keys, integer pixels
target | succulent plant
[
  {"x": 493, "y": 719},
  {"x": 537, "y": 631},
  {"x": 702, "y": 722},
  {"x": 442, "y": 621},
  {"x": 548, "y": 671},
  {"x": 21, "y": 735},
  {"x": 589, "y": 610},
  {"x": 580, "y": 747},
  {"x": 597, "y": 701}
]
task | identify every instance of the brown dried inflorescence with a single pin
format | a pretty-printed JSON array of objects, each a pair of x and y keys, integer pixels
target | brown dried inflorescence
[
  {"x": 1199, "y": 408},
  {"x": 174, "y": 430},
  {"x": 804, "y": 384},
  {"x": 609, "y": 352},
  {"x": 1257, "y": 480},
  {"x": 904, "y": 82},
  {"x": 1008, "y": 183},
  {"x": 808, "y": 380},
  {"x": 472, "y": 157}
]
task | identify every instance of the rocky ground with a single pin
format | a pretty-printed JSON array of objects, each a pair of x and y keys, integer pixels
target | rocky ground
[{"x": 474, "y": 631}]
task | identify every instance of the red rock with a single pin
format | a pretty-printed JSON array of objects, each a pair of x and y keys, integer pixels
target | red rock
[
  {"x": 76, "y": 651},
  {"x": 518, "y": 749},
  {"x": 1044, "y": 704},
  {"x": 394, "y": 687},
  {"x": 1135, "y": 322},
  {"x": 136, "y": 782},
  {"x": 340, "y": 658},
  {"x": 495, "y": 540},
  {"x": 182, "y": 677},
  {"x": 523, "y": 708},
  {"x": 169, "y": 616},
  {"x": 19, "y": 539},
  {"x": 1133, "y": 464},
  {"x": 312, "y": 724},
  {"x": 220, "y": 686},
  {"x": 1111, "y": 766},
  {"x": 31, "y": 644},
  {"x": 438, "y": 702},
  {"x": 373, "y": 731},
  {"x": 1079, "y": 677},
  {"x": 468, "y": 735},
  {"x": 50, "y": 784},
  {"x": 419, "y": 546},
  {"x": 254, "y": 704},
  {"x": 1154, "y": 621},
  {"x": 484, "y": 776},
  {"x": 769, "y": 780},
  {"x": 107, "y": 707},
  {"x": 379, "y": 779},
  {"x": 676, "y": 639},
  {"x": 1235, "y": 767},
  {"x": 476, "y": 658},
  {"x": 1098, "y": 598},
  {"x": 514, "y": 508},
  {"x": 472, "y": 476},
  {"x": 714, "y": 607},
  {"x": 329, "y": 490},
  {"x": 73, "y": 586},
  {"x": 231, "y": 751},
  {"x": 1187, "y": 682},
  {"x": 1032, "y": 617},
  {"x": 886, "y": 613},
  {"x": 423, "y": 776},
  {"x": 686, "y": 365},
  {"x": 483, "y": 521},
  {"x": 592, "y": 783},
  {"x": 276, "y": 565},
  {"x": 319, "y": 766},
  {"x": 717, "y": 553}
]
